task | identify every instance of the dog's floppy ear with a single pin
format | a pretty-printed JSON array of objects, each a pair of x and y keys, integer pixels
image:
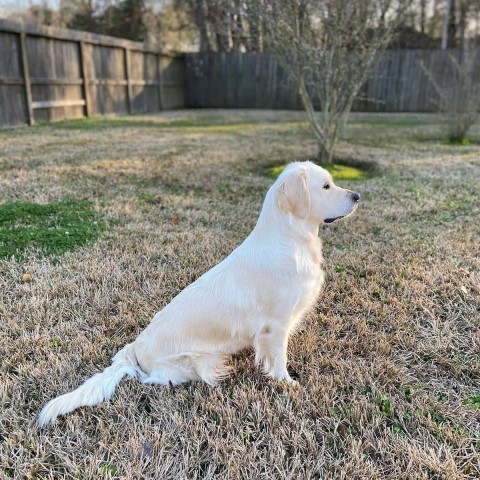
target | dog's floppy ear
[{"x": 293, "y": 195}]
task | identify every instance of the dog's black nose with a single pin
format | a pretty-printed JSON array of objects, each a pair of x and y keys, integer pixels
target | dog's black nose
[{"x": 355, "y": 196}]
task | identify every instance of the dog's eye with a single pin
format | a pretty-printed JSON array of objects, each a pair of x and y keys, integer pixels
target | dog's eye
[{"x": 326, "y": 186}]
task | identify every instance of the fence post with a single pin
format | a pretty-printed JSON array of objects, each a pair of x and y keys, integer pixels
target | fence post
[
  {"x": 86, "y": 84},
  {"x": 160, "y": 82},
  {"x": 127, "y": 78},
  {"x": 26, "y": 77}
]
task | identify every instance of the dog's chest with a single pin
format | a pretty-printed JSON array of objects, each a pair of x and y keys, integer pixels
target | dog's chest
[
  {"x": 309, "y": 274},
  {"x": 310, "y": 281}
]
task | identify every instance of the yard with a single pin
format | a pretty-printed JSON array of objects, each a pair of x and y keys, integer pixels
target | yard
[{"x": 133, "y": 209}]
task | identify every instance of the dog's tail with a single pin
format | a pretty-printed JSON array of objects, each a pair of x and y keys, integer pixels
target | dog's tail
[{"x": 95, "y": 390}]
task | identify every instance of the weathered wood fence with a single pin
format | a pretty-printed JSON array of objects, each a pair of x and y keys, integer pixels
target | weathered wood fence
[
  {"x": 256, "y": 80},
  {"x": 49, "y": 74}
]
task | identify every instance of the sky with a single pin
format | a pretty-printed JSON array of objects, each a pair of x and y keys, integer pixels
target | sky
[{"x": 9, "y": 6}]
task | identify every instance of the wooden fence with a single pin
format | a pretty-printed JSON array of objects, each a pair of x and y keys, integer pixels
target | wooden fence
[
  {"x": 256, "y": 80},
  {"x": 49, "y": 74}
]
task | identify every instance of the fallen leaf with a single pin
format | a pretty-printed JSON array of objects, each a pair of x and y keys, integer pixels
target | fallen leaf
[{"x": 26, "y": 278}]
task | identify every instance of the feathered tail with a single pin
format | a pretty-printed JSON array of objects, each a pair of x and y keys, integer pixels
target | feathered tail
[{"x": 95, "y": 390}]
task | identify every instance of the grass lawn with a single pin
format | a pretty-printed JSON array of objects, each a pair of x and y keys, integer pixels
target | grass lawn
[{"x": 388, "y": 361}]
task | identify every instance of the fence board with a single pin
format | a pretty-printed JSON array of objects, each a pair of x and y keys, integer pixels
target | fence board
[
  {"x": 173, "y": 82},
  {"x": 12, "y": 97},
  {"x": 144, "y": 82},
  {"x": 26, "y": 78},
  {"x": 85, "y": 79}
]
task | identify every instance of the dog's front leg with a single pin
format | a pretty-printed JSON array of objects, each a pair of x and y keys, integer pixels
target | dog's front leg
[{"x": 271, "y": 350}]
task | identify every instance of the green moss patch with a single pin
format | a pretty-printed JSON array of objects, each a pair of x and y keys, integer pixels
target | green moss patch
[
  {"x": 464, "y": 142},
  {"x": 474, "y": 401},
  {"x": 338, "y": 171},
  {"x": 344, "y": 172},
  {"x": 391, "y": 121},
  {"x": 274, "y": 172},
  {"x": 54, "y": 228}
]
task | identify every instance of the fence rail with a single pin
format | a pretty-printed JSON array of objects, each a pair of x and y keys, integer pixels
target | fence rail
[
  {"x": 49, "y": 74},
  {"x": 256, "y": 80}
]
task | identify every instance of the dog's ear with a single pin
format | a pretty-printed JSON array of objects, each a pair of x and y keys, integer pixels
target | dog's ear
[{"x": 293, "y": 195}]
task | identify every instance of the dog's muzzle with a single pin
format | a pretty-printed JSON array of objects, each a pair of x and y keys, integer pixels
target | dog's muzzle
[{"x": 355, "y": 197}]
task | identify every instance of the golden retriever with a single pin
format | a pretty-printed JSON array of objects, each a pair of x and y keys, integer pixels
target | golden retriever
[{"x": 254, "y": 298}]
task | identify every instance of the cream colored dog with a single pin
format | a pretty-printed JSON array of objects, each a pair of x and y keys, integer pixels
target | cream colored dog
[{"x": 254, "y": 298}]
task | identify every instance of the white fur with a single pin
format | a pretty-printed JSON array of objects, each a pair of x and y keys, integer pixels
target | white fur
[{"x": 256, "y": 297}]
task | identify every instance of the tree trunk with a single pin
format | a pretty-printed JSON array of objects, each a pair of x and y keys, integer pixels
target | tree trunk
[
  {"x": 254, "y": 45},
  {"x": 324, "y": 156},
  {"x": 458, "y": 136},
  {"x": 237, "y": 27},
  {"x": 452, "y": 26},
  {"x": 423, "y": 7},
  {"x": 201, "y": 22},
  {"x": 445, "y": 25},
  {"x": 324, "y": 152},
  {"x": 462, "y": 23}
]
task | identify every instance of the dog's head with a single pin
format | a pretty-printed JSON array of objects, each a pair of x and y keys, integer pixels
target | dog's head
[{"x": 307, "y": 191}]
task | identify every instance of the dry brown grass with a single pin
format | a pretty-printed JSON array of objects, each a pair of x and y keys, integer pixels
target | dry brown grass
[{"x": 388, "y": 362}]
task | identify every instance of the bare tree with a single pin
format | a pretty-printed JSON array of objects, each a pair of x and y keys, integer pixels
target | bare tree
[
  {"x": 459, "y": 95},
  {"x": 329, "y": 47}
]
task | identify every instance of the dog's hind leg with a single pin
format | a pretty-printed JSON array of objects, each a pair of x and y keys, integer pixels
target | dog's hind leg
[
  {"x": 176, "y": 370},
  {"x": 210, "y": 367}
]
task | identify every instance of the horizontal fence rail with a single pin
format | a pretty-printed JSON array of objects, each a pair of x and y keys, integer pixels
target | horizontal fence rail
[
  {"x": 49, "y": 74},
  {"x": 257, "y": 80}
]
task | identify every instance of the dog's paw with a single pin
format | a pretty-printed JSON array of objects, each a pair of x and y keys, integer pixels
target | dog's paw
[
  {"x": 284, "y": 377},
  {"x": 291, "y": 381}
]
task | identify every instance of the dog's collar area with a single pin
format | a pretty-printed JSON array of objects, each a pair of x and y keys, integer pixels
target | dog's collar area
[{"x": 331, "y": 220}]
